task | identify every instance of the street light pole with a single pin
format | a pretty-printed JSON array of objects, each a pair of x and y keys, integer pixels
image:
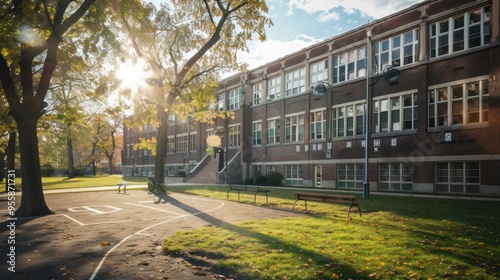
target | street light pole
[{"x": 366, "y": 182}]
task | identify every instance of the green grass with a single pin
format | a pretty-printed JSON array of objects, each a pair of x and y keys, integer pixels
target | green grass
[
  {"x": 51, "y": 183},
  {"x": 397, "y": 238}
]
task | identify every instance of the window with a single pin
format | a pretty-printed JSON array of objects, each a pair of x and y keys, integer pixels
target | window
[
  {"x": 220, "y": 101},
  {"x": 171, "y": 144},
  {"x": 396, "y": 177},
  {"x": 319, "y": 71},
  {"x": 271, "y": 168},
  {"x": 459, "y": 104},
  {"x": 318, "y": 125},
  {"x": 234, "y": 136},
  {"x": 257, "y": 133},
  {"x": 273, "y": 131},
  {"x": 348, "y": 120},
  {"x": 233, "y": 101},
  {"x": 457, "y": 177},
  {"x": 293, "y": 175},
  {"x": 181, "y": 144},
  {"x": 294, "y": 128},
  {"x": 295, "y": 82},
  {"x": 192, "y": 142},
  {"x": 402, "y": 49},
  {"x": 171, "y": 119},
  {"x": 350, "y": 65},
  {"x": 462, "y": 32},
  {"x": 350, "y": 176},
  {"x": 396, "y": 113},
  {"x": 274, "y": 88},
  {"x": 257, "y": 94}
]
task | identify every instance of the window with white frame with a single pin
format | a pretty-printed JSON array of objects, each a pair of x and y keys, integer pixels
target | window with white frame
[
  {"x": 274, "y": 88},
  {"x": 234, "y": 136},
  {"x": 350, "y": 176},
  {"x": 396, "y": 176},
  {"x": 181, "y": 144},
  {"x": 294, "y": 175},
  {"x": 271, "y": 168},
  {"x": 295, "y": 82},
  {"x": 233, "y": 101},
  {"x": 257, "y": 133},
  {"x": 220, "y": 101},
  {"x": 273, "y": 131},
  {"x": 171, "y": 119},
  {"x": 457, "y": 177},
  {"x": 460, "y": 103},
  {"x": 349, "y": 65},
  {"x": 395, "y": 113},
  {"x": 257, "y": 94},
  {"x": 294, "y": 128},
  {"x": 348, "y": 120},
  {"x": 460, "y": 32},
  {"x": 171, "y": 144},
  {"x": 318, "y": 125},
  {"x": 399, "y": 50},
  {"x": 319, "y": 71}
]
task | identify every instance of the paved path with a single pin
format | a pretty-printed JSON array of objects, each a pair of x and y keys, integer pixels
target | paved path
[{"x": 111, "y": 235}]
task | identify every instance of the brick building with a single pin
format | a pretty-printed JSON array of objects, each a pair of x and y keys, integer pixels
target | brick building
[{"x": 436, "y": 131}]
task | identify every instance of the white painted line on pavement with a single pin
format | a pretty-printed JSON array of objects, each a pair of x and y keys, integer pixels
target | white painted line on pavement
[{"x": 157, "y": 209}]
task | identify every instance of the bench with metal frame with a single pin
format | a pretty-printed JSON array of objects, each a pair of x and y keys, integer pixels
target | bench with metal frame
[
  {"x": 124, "y": 184},
  {"x": 327, "y": 197},
  {"x": 251, "y": 189}
]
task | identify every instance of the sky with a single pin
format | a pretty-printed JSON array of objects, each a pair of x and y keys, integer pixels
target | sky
[{"x": 301, "y": 23}]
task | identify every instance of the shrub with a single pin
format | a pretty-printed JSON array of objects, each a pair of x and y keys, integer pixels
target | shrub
[
  {"x": 260, "y": 180},
  {"x": 274, "y": 178}
]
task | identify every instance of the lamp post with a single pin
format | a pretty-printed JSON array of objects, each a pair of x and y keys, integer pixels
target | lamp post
[{"x": 391, "y": 75}]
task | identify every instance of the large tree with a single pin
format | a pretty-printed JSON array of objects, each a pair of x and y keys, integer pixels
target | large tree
[
  {"x": 184, "y": 43},
  {"x": 32, "y": 33}
]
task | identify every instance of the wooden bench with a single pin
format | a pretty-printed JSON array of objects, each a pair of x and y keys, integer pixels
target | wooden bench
[
  {"x": 124, "y": 184},
  {"x": 251, "y": 189},
  {"x": 327, "y": 197}
]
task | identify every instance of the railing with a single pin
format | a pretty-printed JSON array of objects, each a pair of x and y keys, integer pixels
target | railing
[
  {"x": 198, "y": 167},
  {"x": 231, "y": 170}
]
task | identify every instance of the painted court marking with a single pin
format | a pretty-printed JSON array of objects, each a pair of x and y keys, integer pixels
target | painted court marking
[{"x": 142, "y": 233}]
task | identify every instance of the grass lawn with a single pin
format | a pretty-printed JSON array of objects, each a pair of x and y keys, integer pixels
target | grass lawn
[
  {"x": 51, "y": 183},
  {"x": 397, "y": 238}
]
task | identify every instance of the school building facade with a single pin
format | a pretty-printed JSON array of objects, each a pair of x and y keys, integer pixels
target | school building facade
[{"x": 436, "y": 131}]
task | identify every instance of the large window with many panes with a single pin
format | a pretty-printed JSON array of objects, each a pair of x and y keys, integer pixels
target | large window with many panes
[
  {"x": 295, "y": 82},
  {"x": 457, "y": 177},
  {"x": 181, "y": 144},
  {"x": 460, "y": 32},
  {"x": 319, "y": 71},
  {"x": 233, "y": 101},
  {"x": 257, "y": 133},
  {"x": 274, "y": 88},
  {"x": 395, "y": 113},
  {"x": 350, "y": 176},
  {"x": 348, "y": 120},
  {"x": 318, "y": 125},
  {"x": 399, "y": 50},
  {"x": 461, "y": 103},
  {"x": 273, "y": 131},
  {"x": 395, "y": 176},
  {"x": 294, "y": 175},
  {"x": 294, "y": 128},
  {"x": 349, "y": 65},
  {"x": 257, "y": 94},
  {"x": 234, "y": 136},
  {"x": 220, "y": 102}
]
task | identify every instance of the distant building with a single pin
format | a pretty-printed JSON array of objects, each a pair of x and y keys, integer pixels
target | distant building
[{"x": 436, "y": 131}]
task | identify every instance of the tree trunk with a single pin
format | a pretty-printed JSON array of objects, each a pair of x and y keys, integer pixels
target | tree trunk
[
  {"x": 161, "y": 152},
  {"x": 2, "y": 167},
  {"x": 32, "y": 199},
  {"x": 71, "y": 163}
]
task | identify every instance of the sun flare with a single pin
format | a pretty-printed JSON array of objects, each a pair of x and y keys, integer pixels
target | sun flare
[{"x": 132, "y": 75}]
